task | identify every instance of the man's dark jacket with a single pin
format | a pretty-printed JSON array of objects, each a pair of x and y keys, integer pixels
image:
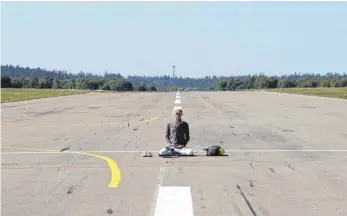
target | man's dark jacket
[{"x": 177, "y": 132}]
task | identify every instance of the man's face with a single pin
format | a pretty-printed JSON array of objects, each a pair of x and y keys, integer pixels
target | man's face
[{"x": 178, "y": 115}]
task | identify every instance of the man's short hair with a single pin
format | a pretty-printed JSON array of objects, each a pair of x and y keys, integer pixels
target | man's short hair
[{"x": 178, "y": 110}]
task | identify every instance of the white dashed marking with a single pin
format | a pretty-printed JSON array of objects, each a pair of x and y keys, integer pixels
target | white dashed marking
[
  {"x": 177, "y": 107},
  {"x": 174, "y": 201}
]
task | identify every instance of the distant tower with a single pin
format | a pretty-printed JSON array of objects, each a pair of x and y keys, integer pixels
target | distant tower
[{"x": 173, "y": 71}]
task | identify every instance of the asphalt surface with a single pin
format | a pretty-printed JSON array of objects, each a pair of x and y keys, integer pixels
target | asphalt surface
[{"x": 278, "y": 162}]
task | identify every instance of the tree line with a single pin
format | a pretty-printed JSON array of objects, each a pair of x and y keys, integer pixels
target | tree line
[
  {"x": 20, "y": 77},
  {"x": 114, "y": 84},
  {"x": 265, "y": 82},
  {"x": 17, "y": 71}
]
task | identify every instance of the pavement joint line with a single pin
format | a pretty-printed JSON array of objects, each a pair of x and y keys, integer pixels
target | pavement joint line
[
  {"x": 115, "y": 172},
  {"x": 155, "y": 151},
  {"x": 94, "y": 124},
  {"x": 246, "y": 200}
]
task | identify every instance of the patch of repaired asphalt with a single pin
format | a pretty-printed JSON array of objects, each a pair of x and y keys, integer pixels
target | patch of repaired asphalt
[
  {"x": 50, "y": 112},
  {"x": 308, "y": 107},
  {"x": 4, "y": 107}
]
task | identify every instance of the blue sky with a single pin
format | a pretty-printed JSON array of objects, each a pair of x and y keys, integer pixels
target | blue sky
[{"x": 200, "y": 38}]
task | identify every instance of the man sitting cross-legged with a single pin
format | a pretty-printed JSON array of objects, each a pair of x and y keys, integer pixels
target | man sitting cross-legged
[{"x": 177, "y": 137}]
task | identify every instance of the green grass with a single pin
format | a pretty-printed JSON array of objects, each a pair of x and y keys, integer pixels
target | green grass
[
  {"x": 322, "y": 92},
  {"x": 20, "y": 94}
]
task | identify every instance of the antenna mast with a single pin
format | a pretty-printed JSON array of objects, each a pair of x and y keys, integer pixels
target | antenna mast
[{"x": 173, "y": 72}]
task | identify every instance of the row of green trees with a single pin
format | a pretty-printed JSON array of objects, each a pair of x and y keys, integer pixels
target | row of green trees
[
  {"x": 243, "y": 82},
  {"x": 42, "y": 78},
  {"x": 265, "y": 82},
  {"x": 95, "y": 83},
  {"x": 17, "y": 71}
]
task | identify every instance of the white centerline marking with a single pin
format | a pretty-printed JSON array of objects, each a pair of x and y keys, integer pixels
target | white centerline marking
[
  {"x": 178, "y": 97},
  {"x": 161, "y": 180},
  {"x": 177, "y": 101},
  {"x": 174, "y": 201}
]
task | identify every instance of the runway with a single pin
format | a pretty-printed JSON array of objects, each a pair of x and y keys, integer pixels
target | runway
[{"x": 81, "y": 155}]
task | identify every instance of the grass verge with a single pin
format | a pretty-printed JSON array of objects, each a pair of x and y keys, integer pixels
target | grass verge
[
  {"x": 322, "y": 92},
  {"x": 20, "y": 94}
]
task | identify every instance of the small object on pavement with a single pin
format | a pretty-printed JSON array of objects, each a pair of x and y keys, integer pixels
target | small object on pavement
[
  {"x": 215, "y": 151},
  {"x": 147, "y": 154},
  {"x": 64, "y": 149},
  {"x": 109, "y": 211}
]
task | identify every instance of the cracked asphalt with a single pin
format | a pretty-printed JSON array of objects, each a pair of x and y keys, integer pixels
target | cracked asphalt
[{"x": 280, "y": 154}]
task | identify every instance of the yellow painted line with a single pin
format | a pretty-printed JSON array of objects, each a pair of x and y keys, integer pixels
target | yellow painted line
[
  {"x": 151, "y": 119},
  {"x": 115, "y": 171},
  {"x": 36, "y": 149}
]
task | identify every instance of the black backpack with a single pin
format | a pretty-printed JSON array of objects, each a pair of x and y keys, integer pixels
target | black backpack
[{"x": 215, "y": 151}]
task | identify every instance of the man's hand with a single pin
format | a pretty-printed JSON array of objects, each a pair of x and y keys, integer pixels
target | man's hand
[{"x": 178, "y": 146}]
